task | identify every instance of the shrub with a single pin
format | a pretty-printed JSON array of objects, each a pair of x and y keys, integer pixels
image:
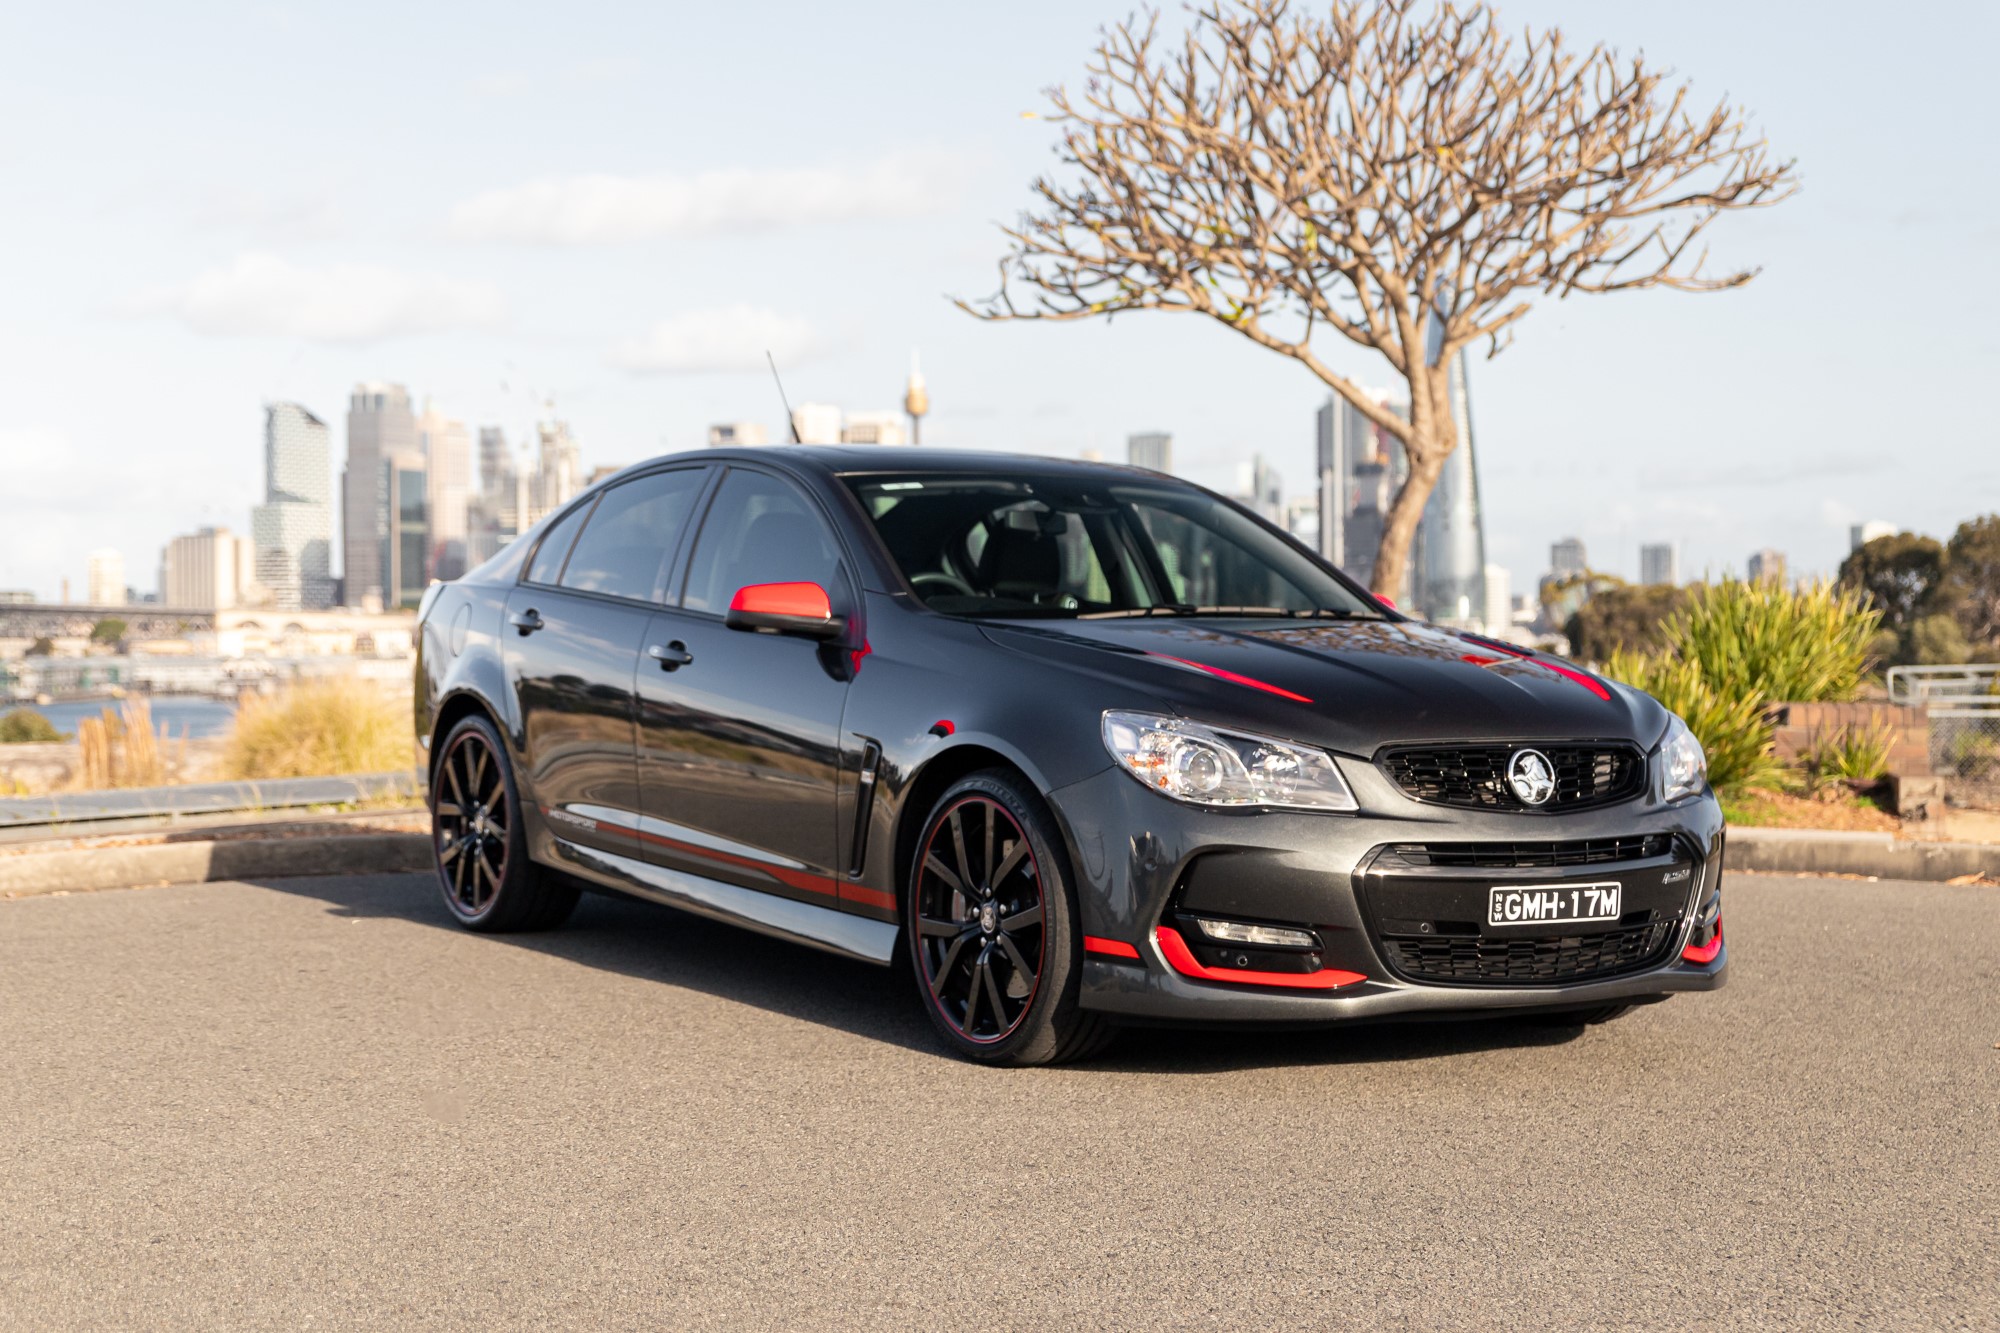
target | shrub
[
  {"x": 319, "y": 729},
  {"x": 24, "y": 726},
  {"x": 1732, "y": 729},
  {"x": 1764, "y": 642},
  {"x": 1631, "y": 619},
  {"x": 120, "y": 749},
  {"x": 1854, "y": 753}
]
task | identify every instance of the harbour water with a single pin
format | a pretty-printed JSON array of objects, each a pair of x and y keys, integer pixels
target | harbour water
[{"x": 181, "y": 714}]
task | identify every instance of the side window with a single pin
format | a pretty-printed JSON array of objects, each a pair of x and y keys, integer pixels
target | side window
[
  {"x": 632, "y": 532},
  {"x": 548, "y": 561},
  {"x": 759, "y": 530}
]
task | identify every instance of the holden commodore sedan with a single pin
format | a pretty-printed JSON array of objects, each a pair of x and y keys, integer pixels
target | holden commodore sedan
[{"x": 1084, "y": 745}]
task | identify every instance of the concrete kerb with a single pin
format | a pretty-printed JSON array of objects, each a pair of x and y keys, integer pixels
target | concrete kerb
[
  {"x": 1882, "y": 855},
  {"x": 86, "y": 869}
]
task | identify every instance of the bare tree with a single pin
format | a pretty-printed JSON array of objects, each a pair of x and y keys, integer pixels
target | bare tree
[{"x": 1405, "y": 179}]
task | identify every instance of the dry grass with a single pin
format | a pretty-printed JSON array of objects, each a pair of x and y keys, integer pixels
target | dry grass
[
  {"x": 1833, "y": 807},
  {"x": 316, "y": 729},
  {"x": 120, "y": 749}
]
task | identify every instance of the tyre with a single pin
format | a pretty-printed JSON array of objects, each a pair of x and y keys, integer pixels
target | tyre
[
  {"x": 478, "y": 842},
  {"x": 995, "y": 947}
]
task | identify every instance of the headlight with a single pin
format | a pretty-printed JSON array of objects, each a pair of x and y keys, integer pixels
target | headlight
[
  {"x": 1208, "y": 766},
  {"x": 1684, "y": 768}
]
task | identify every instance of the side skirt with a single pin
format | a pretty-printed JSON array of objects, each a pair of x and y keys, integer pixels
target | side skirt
[{"x": 801, "y": 923}]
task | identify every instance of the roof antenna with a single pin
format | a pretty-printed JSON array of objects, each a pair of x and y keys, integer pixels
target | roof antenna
[{"x": 790, "y": 420}]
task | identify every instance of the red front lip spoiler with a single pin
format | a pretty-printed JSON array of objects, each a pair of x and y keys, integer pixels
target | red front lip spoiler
[
  {"x": 1179, "y": 957},
  {"x": 1703, "y": 954}
]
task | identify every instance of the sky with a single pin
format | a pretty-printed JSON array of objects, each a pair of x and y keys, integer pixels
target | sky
[{"x": 616, "y": 208}]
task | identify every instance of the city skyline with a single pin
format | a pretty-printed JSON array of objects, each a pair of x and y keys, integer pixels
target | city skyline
[{"x": 208, "y": 239}]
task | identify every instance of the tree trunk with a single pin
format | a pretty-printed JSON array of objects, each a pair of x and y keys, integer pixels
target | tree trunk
[{"x": 1399, "y": 530}]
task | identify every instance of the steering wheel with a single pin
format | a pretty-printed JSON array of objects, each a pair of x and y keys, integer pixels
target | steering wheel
[{"x": 947, "y": 582}]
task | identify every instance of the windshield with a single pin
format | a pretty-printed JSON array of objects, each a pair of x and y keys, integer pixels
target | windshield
[{"x": 997, "y": 546}]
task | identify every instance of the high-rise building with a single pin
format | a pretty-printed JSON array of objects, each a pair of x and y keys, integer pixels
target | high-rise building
[
  {"x": 873, "y": 428},
  {"x": 407, "y": 549},
  {"x": 1450, "y": 559},
  {"x": 1767, "y": 566},
  {"x": 1259, "y": 486},
  {"x": 728, "y": 434},
  {"x": 1338, "y": 440},
  {"x": 380, "y": 426},
  {"x": 1499, "y": 602},
  {"x": 816, "y": 423},
  {"x": 558, "y": 472},
  {"x": 105, "y": 582},
  {"x": 497, "y": 509},
  {"x": 1567, "y": 559},
  {"x": 1861, "y": 534},
  {"x": 1660, "y": 562},
  {"x": 1152, "y": 450},
  {"x": 447, "y": 448},
  {"x": 205, "y": 570},
  {"x": 291, "y": 533}
]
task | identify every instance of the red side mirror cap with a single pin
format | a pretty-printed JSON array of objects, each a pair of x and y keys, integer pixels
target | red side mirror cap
[{"x": 802, "y": 609}]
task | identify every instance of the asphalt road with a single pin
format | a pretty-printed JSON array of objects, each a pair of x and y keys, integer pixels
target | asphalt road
[{"x": 312, "y": 1103}]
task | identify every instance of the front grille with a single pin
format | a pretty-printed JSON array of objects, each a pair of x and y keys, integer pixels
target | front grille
[
  {"x": 1528, "y": 855},
  {"x": 1534, "y": 961},
  {"x": 1587, "y": 774}
]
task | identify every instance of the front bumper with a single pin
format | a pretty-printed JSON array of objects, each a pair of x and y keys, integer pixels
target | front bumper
[{"x": 1141, "y": 861}]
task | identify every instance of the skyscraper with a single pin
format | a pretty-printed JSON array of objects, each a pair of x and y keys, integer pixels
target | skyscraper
[
  {"x": 380, "y": 425},
  {"x": 1660, "y": 563},
  {"x": 105, "y": 583},
  {"x": 1153, "y": 450},
  {"x": 498, "y": 508},
  {"x": 447, "y": 447},
  {"x": 205, "y": 570},
  {"x": 291, "y": 533},
  {"x": 1450, "y": 581},
  {"x": 1567, "y": 558},
  {"x": 1767, "y": 566},
  {"x": 406, "y": 548},
  {"x": 558, "y": 472},
  {"x": 1259, "y": 486}
]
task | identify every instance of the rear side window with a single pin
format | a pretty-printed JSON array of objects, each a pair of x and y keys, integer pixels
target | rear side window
[
  {"x": 631, "y": 534},
  {"x": 548, "y": 561},
  {"x": 759, "y": 530}
]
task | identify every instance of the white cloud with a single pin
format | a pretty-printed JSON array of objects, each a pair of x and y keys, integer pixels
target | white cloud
[
  {"x": 263, "y": 295},
  {"x": 732, "y": 338},
  {"x": 605, "y": 209}
]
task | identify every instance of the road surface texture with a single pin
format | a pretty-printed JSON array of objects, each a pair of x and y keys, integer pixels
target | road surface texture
[{"x": 313, "y": 1103}]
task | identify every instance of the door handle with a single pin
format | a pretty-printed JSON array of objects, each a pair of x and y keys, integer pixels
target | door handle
[
  {"x": 527, "y": 621},
  {"x": 671, "y": 656}
]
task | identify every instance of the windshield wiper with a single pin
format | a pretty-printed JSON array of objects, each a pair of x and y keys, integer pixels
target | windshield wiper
[{"x": 1190, "y": 609}]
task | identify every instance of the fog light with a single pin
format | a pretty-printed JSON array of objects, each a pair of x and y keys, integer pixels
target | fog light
[{"x": 1237, "y": 932}]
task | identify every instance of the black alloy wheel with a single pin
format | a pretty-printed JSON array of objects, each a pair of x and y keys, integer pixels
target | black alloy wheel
[
  {"x": 479, "y": 846},
  {"x": 996, "y": 955},
  {"x": 979, "y": 915}
]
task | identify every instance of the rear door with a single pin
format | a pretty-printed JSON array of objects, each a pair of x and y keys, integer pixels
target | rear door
[
  {"x": 576, "y": 626},
  {"x": 739, "y": 733}
]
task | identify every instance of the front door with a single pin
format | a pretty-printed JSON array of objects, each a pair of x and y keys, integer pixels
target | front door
[
  {"x": 576, "y": 627},
  {"x": 739, "y": 733}
]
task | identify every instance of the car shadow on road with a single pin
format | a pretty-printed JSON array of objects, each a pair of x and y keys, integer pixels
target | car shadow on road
[{"x": 656, "y": 943}]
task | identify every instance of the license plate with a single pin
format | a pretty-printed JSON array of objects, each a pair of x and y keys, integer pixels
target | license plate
[{"x": 1527, "y": 905}]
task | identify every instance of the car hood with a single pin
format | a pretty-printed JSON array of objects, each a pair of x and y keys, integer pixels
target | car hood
[{"x": 1351, "y": 685}]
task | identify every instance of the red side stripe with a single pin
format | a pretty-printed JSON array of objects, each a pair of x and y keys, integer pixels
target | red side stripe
[
  {"x": 1232, "y": 677},
  {"x": 1183, "y": 961},
  {"x": 1111, "y": 948},
  {"x": 797, "y": 879}
]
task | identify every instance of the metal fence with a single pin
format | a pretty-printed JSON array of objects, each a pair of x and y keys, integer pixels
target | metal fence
[{"x": 1963, "y": 703}]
